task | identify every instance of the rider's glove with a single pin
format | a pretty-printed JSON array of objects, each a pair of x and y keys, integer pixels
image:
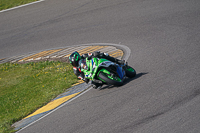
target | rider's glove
[{"x": 76, "y": 71}]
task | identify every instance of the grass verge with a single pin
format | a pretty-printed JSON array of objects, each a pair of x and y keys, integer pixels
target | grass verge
[
  {"x": 26, "y": 87},
  {"x": 5, "y": 4}
]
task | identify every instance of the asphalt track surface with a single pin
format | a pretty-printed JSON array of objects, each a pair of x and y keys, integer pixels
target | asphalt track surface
[{"x": 164, "y": 39}]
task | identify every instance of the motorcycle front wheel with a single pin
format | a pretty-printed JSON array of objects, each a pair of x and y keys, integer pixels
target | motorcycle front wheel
[{"x": 110, "y": 79}]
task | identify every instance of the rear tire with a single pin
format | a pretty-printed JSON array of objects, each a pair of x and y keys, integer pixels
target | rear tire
[
  {"x": 108, "y": 80},
  {"x": 130, "y": 72}
]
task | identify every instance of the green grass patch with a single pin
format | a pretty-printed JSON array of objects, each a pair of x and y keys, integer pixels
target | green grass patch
[
  {"x": 5, "y": 4},
  {"x": 27, "y": 87}
]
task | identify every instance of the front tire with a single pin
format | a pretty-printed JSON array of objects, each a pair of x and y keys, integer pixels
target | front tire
[{"x": 114, "y": 80}]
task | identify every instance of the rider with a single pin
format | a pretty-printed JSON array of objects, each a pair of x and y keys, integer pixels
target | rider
[{"x": 78, "y": 63}]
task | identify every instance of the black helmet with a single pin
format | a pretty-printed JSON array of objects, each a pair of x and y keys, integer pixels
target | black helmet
[{"x": 74, "y": 58}]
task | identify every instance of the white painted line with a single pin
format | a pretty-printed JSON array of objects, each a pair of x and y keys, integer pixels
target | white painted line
[
  {"x": 38, "y": 58},
  {"x": 21, "y": 6},
  {"x": 46, "y": 57},
  {"x": 30, "y": 59}
]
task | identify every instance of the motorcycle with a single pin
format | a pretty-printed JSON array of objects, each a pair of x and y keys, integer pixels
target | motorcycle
[{"x": 103, "y": 71}]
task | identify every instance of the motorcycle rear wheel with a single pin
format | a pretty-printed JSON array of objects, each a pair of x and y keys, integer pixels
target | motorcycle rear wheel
[
  {"x": 130, "y": 72},
  {"x": 116, "y": 81}
]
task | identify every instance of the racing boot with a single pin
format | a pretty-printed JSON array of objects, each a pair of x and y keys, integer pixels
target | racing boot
[{"x": 96, "y": 85}]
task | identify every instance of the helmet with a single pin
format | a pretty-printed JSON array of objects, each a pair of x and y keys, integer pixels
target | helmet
[{"x": 74, "y": 58}]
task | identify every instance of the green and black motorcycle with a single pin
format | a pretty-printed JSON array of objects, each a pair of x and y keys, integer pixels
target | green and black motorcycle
[{"x": 103, "y": 71}]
